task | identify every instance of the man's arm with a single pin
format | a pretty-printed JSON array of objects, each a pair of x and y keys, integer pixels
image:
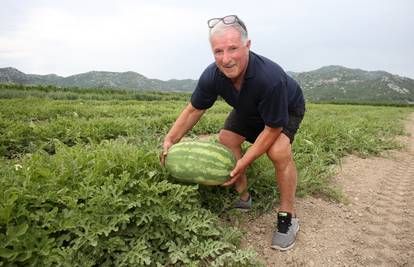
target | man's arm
[
  {"x": 262, "y": 144},
  {"x": 186, "y": 121}
]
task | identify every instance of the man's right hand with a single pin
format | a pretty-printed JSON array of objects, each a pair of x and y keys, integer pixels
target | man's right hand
[
  {"x": 163, "y": 154},
  {"x": 187, "y": 119}
]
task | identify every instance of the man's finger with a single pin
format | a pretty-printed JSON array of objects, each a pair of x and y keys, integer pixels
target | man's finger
[
  {"x": 163, "y": 155},
  {"x": 230, "y": 182}
]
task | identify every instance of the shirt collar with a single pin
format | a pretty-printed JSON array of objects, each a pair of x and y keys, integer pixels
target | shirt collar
[{"x": 250, "y": 72}]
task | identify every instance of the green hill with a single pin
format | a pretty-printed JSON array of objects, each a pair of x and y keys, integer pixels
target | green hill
[
  {"x": 340, "y": 84},
  {"x": 98, "y": 79}
]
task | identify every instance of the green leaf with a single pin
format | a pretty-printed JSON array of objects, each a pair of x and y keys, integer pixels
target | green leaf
[
  {"x": 8, "y": 253},
  {"x": 16, "y": 231}
]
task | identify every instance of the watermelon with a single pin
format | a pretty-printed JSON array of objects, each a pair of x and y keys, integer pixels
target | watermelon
[{"x": 200, "y": 162}]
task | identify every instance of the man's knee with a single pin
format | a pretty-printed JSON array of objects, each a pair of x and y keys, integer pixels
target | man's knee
[
  {"x": 280, "y": 153},
  {"x": 231, "y": 140}
]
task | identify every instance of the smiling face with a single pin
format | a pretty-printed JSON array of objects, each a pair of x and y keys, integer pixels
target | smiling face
[{"x": 230, "y": 53}]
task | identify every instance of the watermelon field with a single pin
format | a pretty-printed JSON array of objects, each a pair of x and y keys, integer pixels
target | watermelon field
[{"x": 81, "y": 185}]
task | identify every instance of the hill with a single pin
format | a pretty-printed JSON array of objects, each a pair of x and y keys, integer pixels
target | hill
[
  {"x": 340, "y": 84},
  {"x": 98, "y": 79},
  {"x": 327, "y": 84}
]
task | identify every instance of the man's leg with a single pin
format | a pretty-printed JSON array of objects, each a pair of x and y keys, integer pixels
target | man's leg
[
  {"x": 233, "y": 141},
  {"x": 280, "y": 154}
]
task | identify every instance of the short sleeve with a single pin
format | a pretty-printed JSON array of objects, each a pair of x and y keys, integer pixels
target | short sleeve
[
  {"x": 273, "y": 108},
  {"x": 205, "y": 94}
]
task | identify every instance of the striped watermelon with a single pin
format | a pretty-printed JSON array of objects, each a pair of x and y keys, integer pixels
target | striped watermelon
[{"x": 200, "y": 162}]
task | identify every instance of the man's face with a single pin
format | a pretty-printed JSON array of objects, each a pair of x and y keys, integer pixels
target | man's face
[{"x": 230, "y": 54}]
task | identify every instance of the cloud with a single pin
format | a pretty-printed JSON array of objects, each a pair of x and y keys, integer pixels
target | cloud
[
  {"x": 52, "y": 36},
  {"x": 165, "y": 39}
]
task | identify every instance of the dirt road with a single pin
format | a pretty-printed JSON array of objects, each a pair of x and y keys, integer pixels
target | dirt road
[{"x": 375, "y": 227}]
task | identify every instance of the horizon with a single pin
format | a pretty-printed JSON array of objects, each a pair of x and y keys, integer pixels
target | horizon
[{"x": 359, "y": 69}]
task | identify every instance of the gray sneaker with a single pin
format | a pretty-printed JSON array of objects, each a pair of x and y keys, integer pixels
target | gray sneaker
[
  {"x": 242, "y": 205},
  {"x": 285, "y": 234}
]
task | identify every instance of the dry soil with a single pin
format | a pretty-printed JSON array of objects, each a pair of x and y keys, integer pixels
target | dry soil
[{"x": 374, "y": 228}]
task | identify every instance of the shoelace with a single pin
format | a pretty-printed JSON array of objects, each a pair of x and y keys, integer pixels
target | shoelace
[{"x": 283, "y": 225}]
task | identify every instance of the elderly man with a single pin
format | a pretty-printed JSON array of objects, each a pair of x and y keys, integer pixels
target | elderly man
[{"x": 268, "y": 108}]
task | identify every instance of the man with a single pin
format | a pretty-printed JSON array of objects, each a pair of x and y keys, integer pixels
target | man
[{"x": 268, "y": 108}]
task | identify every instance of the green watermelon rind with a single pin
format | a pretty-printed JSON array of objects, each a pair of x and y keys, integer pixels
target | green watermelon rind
[{"x": 198, "y": 162}]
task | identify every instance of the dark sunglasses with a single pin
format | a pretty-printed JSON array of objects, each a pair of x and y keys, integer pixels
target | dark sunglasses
[{"x": 228, "y": 20}]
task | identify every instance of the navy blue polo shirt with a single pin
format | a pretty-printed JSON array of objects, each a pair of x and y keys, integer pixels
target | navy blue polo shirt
[{"x": 267, "y": 94}]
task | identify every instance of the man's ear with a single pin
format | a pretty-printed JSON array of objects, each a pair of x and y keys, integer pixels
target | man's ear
[{"x": 248, "y": 43}]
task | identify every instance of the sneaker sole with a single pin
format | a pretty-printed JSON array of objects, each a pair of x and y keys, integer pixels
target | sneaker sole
[
  {"x": 284, "y": 249},
  {"x": 288, "y": 247}
]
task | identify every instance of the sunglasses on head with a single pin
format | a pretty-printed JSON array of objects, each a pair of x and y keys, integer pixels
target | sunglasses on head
[{"x": 227, "y": 20}]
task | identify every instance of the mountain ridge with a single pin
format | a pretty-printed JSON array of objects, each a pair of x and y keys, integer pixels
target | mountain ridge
[
  {"x": 97, "y": 79},
  {"x": 340, "y": 84},
  {"x": 333, "y": 83}
]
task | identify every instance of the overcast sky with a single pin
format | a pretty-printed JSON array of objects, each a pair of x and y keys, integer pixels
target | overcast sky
[{"x": 168, "y": 39}]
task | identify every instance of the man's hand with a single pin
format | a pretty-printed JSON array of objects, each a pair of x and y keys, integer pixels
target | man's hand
[
  {"x": 187, "y": 119},
  {"x": 236, "y": 173},
  {"x": 163, "y": 154}
]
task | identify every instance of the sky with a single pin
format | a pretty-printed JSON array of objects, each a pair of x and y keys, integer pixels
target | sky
[{"x": 164, "y": 40}]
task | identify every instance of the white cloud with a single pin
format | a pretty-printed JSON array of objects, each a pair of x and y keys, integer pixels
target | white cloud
[
  {"x": 162, "y": 39},
  {"x": 52, "y": 35}
]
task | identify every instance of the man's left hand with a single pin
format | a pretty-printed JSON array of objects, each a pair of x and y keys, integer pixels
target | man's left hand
[{"x": 236, "y": 173}]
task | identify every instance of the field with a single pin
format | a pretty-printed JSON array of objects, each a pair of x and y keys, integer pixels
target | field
[{"x": 80, "y": 182}]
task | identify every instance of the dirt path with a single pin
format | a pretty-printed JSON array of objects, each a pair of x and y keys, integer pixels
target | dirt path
[{"x": 376, "y": 227}]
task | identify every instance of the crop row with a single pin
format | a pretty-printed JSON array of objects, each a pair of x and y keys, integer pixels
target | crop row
[
  {"x": 30, "y": 124},
  {"x": 108, "y": 204},
  {"x": 13, "y": 91}
]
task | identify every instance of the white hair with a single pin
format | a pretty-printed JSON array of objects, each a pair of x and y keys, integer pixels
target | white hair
[{"x": 221, "y": 28}]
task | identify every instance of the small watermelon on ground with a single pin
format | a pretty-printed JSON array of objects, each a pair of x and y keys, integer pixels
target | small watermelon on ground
[{"x": 200, "y": 162}]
